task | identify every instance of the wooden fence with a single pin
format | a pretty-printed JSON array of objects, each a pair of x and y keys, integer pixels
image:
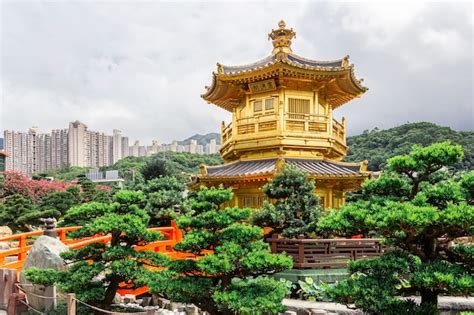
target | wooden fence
[{"x": 325, "y": 253}]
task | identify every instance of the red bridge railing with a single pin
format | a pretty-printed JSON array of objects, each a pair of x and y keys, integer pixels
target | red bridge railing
[{"x": 20, "y": 244}]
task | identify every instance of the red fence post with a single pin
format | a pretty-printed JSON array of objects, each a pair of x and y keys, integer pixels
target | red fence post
[
  {"x": 21, "y": 246},
  {"x": 178, "y": 234}
]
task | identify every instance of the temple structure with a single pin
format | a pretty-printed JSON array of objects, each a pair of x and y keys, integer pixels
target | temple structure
[{"x": 282, "y": 112}]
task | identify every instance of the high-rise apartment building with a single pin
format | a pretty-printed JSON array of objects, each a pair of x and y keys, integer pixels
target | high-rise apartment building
[
  {"x": 117, "y": 145},
  {"x": 193, "y": 146},
  {"x": 125, "y": 150},
  {"x": 59, "y": 148},
  {"x": 34, "y": 152},
  {"x": 16, "y": 145},
  {"x": 135, "y": 149},
  {"x": 78, "y": 141},
  {"x": 211, "y": 147}
]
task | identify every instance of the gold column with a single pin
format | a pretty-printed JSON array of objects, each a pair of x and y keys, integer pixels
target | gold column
[{"x": 330, "y": 197}]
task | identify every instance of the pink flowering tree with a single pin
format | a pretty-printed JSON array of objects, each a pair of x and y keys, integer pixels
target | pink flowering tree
[{"x": 17, "y": 183}]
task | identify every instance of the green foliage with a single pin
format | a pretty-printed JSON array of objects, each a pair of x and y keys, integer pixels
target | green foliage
[
  {"x": 95, "y": 271},
  {"x": 155, "y": 168},
  {"x": 418, "y": 208},
  {"x": 311, "y": 290},
  {"x": 296, "y": 207},
  {"x": 60, "y": 200},
  {"x": 377, "y": 146},
  {"x": 164, "y": 196},
  {"x": 289, "y": 285},
  {"x": 467, "y": 185},
  {"x": 175, "y": 164},
  {"x": 374, "y": 285},
  {"x": 67, "y": 173},
  {"x": 230, "y": 274},
  {"x": 91, "y": 193},
  {"x": 20, "y": 214},
  {"x": 261, "y": 295}
]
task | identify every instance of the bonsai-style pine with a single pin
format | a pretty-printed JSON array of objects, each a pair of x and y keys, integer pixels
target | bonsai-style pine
[
  {"x": 163, "y": 195},
  {"x": 419, "y": 207},
  {"x": 96, "y": 270},
  {"x": 296, "y": 208},
  {"x": 230, "y": 274},
  {"x": 20, "y": 214}
]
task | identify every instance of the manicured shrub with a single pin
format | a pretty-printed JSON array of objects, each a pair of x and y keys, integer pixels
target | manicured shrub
[
  {"x": 419, "y": 208},
  {"x": 230, "y": 274},
  {"x": 295, "y": 208}
]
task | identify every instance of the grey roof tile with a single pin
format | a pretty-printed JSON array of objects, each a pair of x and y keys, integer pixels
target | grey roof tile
[{"x": 266, "y": 166}]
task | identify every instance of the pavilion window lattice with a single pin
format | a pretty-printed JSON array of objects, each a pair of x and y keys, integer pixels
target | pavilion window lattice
[
  {"x": 269, "y": 104},
  {"x": 266, "y": 106},
  {"x": 298, "y": 108},
  {"x": 257, "y": 106},
  {"x": 252, "y": 201}
]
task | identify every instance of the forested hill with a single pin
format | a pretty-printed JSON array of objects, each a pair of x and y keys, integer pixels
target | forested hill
[
  {"x": 377, "y": 146},
  {"x": 202, "y": 139}
]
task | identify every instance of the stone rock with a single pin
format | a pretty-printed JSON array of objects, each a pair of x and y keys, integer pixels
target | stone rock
[
  {"x": 161, "y": 302},
  {"x": 146, "y": 300},
  {"x": 290, "y": 313},
  {"x": 117, "y": 299},
  {"x": 5, "y": 231},
  {"x": 129, "y": 298},
  {"x": 192, "y": 310},
  {"x": 43, "y": 254},
  {"x": 173, "y": 306},
  {"x": 318, "y": 312}
]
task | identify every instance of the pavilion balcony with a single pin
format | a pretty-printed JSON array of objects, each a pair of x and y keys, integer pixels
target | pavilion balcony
[{"x": 316, "y": 130}]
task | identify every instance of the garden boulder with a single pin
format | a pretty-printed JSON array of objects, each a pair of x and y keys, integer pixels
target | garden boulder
[{"x": 44, "y": 254}]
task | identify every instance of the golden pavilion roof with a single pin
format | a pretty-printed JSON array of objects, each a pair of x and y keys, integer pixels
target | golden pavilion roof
[{"x": 335, "y": 78}]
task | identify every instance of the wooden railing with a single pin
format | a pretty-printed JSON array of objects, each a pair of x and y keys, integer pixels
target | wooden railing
[
  {"x": 310, "y": 124},
  {"x": 21, "y": 243},
  {"x": 338, "y": 131},
  {"x": 226, "y": 132},
  {"x": 320, "y": 253}
]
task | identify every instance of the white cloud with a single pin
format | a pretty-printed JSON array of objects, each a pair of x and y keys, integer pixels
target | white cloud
[{"x": 141, "y": 66}]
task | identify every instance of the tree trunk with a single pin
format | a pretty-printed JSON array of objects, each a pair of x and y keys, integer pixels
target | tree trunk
[
  {"x": 429, "y": 297},
  {"x": 110, "y": 292}
]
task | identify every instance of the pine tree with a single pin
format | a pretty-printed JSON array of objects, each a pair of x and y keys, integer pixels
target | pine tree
[
  {"x": 230, "y": 275},
  {"x": 296, "y": 207},
  {"x": 96, "y": 270},
  {"x": 164, "y": 195},
  {"x": 419, "y": 208},
  {"x": 20, "y": 214}
]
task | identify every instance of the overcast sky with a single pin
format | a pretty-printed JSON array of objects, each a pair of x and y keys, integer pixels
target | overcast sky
[{"x": 141, "y": 66}]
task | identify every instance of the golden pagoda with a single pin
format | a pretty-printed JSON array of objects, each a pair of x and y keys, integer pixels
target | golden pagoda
[{"x": 282, "y": 112}]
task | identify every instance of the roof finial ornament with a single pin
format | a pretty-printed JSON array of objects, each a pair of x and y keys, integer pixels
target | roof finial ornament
[{"x": 281, "y": 38}]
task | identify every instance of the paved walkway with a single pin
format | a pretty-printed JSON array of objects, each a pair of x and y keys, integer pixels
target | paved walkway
[{"x": 446, "y": 303}]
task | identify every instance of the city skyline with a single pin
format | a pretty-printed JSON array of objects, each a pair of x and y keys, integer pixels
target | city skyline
[
  {"x": 135, "y": 70},
  {"x": 34, "y": 152},
  {"x": 154, "y": 139}
]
